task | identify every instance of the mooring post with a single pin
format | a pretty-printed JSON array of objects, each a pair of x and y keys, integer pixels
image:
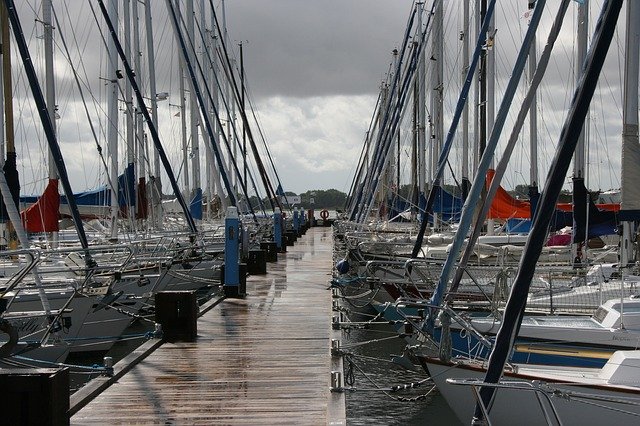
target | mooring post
[
  {"x": 296, "y": 221},
  {"x": 312, "y": 219},
  {"x": 232, "y": 254},
  {"x": 277, "y": 230},
  {"x": 244, "y": 242}
]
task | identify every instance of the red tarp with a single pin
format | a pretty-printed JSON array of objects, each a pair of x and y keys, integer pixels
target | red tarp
[
  {"x": 43, "y": 215},
  {"x": 504, "y": 206}
]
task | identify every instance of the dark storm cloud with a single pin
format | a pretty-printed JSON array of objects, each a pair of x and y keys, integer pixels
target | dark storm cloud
[{"x": 314, "y": 48}]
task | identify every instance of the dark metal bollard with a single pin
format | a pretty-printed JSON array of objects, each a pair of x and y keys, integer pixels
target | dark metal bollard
[
  {"x": 257, "y": 262},
  {"x": 177, "y": 312},
  {"x": 291, "y": 237},
  {"x": 35, "y": 396},
  {"x": 271, "y": 250}
]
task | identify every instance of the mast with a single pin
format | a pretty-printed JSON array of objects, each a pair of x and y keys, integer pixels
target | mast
[
  {"x": 579, "y": 155},
  {"x": 50, "y": 92},
  {"x": 156, "y": 181},
  {"x": 242, "y": 105},
  {"x": 630, "y": 205},
  {"x": 141, "y": 204},
  {"x": 9, "y": 162},
  {"x": 129, "y": 174},
  {"x": 183, "y": 126},
  {"x": 490, "y": 93},
  {"x": 422, "y": 104},
  {"x": 194, "y": 118},
  {"x": 437, "y": 95},
  {"x": 533, "y": 120},
  {"x": 112, "y": 121},
  {"x": 464, "y": 35},
  {"x": 206, "y": 46},
  {"x": 215, "y": 70}
]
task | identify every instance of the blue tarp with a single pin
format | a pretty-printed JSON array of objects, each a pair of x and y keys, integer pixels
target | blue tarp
[
  {"x": 195, "y": 206},
  {"x": 101, "y": 196},
  {"x": 448, "y": 205}
]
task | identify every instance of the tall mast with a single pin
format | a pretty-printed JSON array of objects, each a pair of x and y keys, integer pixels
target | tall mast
[
  {"x": 112, "y": 120},
  {"x": 156, "y": 195},
  {"x": 216, "y": 173},
  {"x": 141, "y": 202},
  {"x": 183, "y": 123},
  {"x": 50, "y": 92},
  {"x": 242, "y": 105},
  {"x": 129, "y": 178},
  {"x": 194, "y": 118},
  {"x": 583, "y": 24},
  {"x": 533, "y": 120},
  {"x": 437, "y": 94},
  {"x": 490, "y": 92},
  {"x": 630, "y": 205},
  {"x": 579, "y": 154},
  {"x": 420, "y": 78},
  {"x": 464, "y": 34},
  {"x": 8, "y": 162},
  {"x": 206, "y": 47},
  {"x": 227, "y": 87},
  {"x": 50, "y": 89}
]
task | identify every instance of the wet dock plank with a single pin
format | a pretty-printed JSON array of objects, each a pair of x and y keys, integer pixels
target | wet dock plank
[{"x": 261, "y": 360}]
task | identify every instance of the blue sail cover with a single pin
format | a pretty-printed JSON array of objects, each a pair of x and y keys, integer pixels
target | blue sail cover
[
  {"x": 196, "y": 204},
  {"x": 560, "y": 218},
  {"x": 601, "y": 222},
  {"x": 100, "y": 196},
  {"x": 447, "y": 205}
]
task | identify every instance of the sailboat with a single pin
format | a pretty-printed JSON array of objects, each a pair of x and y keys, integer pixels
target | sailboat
[{"x": 555, "y": 395}]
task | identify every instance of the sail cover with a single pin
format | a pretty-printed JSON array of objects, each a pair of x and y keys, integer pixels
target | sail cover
[
  {"x": 448, "y": 205},
  {"x": 600, "y": 222},
  {"x": 504, "y": 206},
  {"x": 42, "y": 216}
]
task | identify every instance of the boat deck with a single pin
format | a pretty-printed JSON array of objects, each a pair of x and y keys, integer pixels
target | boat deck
[{"x": 264, "y": 359}]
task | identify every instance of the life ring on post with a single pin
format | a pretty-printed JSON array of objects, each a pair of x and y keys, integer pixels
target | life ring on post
[{"x": 324, "y": 214}]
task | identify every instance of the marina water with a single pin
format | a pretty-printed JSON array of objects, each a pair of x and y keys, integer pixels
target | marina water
[{"x": 367, "y": 406}]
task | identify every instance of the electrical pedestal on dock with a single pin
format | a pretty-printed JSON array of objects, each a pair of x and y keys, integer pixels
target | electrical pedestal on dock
[{"x": 234, "y": 278}]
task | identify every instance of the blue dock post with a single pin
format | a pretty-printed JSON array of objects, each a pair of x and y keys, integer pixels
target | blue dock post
[
  {"x": 303, "y": 219},
  {"x": 277, "y": 230},
  {"x": 231, "y": 273}
]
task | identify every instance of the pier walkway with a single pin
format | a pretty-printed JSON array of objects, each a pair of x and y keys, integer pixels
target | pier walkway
[{"x": 264, "y": 359}]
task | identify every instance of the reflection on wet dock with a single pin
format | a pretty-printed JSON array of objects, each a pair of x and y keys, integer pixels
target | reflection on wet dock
[{"x": 264, "y": 359}]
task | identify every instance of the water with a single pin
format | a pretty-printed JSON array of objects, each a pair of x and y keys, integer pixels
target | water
[{"x": 366, "y": 407}]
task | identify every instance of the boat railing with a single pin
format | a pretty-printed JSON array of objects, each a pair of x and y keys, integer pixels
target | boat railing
[
  {"x": 31, "y": 259},
  {"x": 545, "y": 393}
]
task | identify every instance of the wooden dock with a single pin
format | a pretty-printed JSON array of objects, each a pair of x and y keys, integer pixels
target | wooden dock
[{"x": 265, "y": 359}]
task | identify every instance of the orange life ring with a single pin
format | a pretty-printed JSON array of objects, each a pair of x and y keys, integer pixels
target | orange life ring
[{"x": 324, "y": 214}]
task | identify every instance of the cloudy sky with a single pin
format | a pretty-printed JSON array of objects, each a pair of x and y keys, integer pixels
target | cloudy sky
[{"x": 314, "y": 69}]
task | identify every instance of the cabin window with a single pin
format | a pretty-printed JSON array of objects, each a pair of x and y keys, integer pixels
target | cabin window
[{"x": 600, "y": 314}]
